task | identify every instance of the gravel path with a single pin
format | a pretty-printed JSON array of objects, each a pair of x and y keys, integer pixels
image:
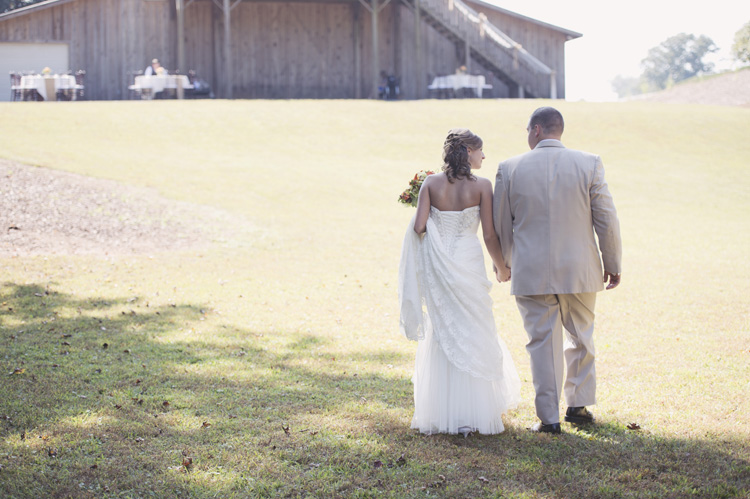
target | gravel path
[{"x": 45, "y": 211}]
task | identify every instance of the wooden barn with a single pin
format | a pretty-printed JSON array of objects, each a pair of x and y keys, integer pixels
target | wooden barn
[{"x": 289, "y": 48}]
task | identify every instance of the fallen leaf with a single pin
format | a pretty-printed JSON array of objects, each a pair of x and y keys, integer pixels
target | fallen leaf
[
  {"x": 51, "y": 452},
  {"x": 232, "y": 416},
  {"x": 286, "y": 429},
  {"x": 483, "y": 479},
  {"x": 118, "y": 406},
  {"x": 206, "y": 424},
  {"x": 127, "y": 350},
  {"x": 377, "y": 464},
  {"x": 67, "y": 335},
  {"x": 66, "y": 343},
  {"x": 138, "y": 382},
  {"x": 633, "y": 426},
  {"x": 93, "y": 466},
  {"x": 98, "y": 371},
  {"x": 55, "y": 365},
  {"x": 139, "y": 439},
  {"x": 165, "y": 403},
  {"x": 105, "y": 346},
  {"x": 442, "y": 477},
  {"x": 187, "y": 462},
  {"x": 17, "y": 370}
]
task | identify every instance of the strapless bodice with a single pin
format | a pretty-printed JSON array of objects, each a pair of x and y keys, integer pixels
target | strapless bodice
[{"x": 452, "y": 226}]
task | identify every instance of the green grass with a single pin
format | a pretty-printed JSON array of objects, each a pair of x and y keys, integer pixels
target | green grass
[{"x": 295, "y": 326}]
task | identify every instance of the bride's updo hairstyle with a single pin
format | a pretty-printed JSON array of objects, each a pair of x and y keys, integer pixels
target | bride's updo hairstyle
[{"x": 456, "y": 153}]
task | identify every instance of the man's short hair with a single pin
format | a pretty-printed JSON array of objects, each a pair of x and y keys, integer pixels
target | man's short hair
[{"x": 549, "y": 118}]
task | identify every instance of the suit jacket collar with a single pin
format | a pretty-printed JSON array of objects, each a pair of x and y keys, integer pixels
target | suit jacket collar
[{"x": 549, "y": 143}]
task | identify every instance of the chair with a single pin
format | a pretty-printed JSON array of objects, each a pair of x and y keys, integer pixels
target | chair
[
  {"x": 80, "y": 85},
  {"x": 134, "y": 91},
  {"x": 16, "y": 91}
]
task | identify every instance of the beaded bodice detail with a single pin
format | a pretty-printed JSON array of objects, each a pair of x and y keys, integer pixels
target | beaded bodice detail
[{"x": 453, "y": 225}]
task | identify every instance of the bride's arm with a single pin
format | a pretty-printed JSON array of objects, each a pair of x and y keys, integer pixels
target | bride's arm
[
  {"x": 491, "y": 241},
  {"x": 423, "y": 207}
]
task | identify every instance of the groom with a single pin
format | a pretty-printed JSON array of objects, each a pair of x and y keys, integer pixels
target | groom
[{"x": 547, "y": 204}]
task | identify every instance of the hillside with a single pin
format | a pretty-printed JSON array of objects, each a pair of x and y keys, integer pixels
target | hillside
[{"x": 726, "y": 89}]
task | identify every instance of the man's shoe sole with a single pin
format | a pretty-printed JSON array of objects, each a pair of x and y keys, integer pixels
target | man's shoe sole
[{"x": 577, "y": 420}]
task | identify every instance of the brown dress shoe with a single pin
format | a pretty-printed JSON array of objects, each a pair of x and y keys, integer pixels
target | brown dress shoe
[
  {"x": 546, "y": 428},
  {"x": 578, "y": 415}
]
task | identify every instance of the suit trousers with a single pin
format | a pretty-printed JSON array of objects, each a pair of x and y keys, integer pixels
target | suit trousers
[{"x": 544, "y": 317}]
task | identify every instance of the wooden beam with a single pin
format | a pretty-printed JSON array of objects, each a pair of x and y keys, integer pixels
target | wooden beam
[
  {"x": 181, "y": 65},
  {"x": 357, "y": 53},
  {"x": 375, "y": 62},
  {"x": 553, "y": 85},
  {"x": 418, "y": 80},
  {"x": 229, "y": 84},
  {"x": 467, "y": 56}
]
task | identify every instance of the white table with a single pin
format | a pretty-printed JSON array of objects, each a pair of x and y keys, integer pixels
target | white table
[
  {"x": 48, "y": 85},
  {"x": 154, "y": 84},
  {"x": 458, "y": 81}
]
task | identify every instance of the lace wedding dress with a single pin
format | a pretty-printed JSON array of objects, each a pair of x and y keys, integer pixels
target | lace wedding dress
[{"x": 464, "y": 375}]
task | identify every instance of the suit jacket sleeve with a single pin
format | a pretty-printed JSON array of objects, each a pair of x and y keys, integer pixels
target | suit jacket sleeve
[
  {"x": 605, "y": 221},
  {"x": 501, "y": 216}
]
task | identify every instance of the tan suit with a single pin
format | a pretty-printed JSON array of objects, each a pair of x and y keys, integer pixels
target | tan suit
[{"x": 547, "y": 204}]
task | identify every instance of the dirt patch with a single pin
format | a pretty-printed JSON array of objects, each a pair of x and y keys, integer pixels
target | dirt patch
[
  {"x": 728, "y": 89},
  {"x": 45, "y": 211}
]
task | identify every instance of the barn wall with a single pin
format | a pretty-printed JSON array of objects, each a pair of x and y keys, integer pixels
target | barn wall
[
  {"x": 107, "y": 38},
  {"x": 278, "y": 49},
  {"x": 544, "y": 43}
]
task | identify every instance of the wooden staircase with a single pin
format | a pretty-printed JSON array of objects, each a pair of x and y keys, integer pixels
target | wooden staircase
[{"x": 524, "y": 74}]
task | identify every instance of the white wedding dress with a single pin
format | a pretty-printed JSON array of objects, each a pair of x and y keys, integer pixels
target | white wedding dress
[{"x": 464, "y": 375}]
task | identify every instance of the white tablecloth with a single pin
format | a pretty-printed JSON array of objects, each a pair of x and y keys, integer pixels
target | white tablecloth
[
  {"x": 456, "y": 82},
  {"x": 158, "y": 83},
  {"x": 40, "y": 84}
]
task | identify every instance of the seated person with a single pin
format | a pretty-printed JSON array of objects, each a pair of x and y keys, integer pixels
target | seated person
[{"x": 154, "y": 69}]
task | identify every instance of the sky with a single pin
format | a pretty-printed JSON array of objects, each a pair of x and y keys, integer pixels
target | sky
[{"x": 618, "y": 35}]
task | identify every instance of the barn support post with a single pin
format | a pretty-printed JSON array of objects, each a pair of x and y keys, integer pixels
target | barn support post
[
  {"x": 180, "y": 4},
  {"x": 418, "y": 80},
  {"x": 229, "y": 84},
  {"x": 375, "y": 51},
  {"x": 357, "y": 53},
  {"x": 553, "y": 85},
  {"x": 467, "y": 56}
]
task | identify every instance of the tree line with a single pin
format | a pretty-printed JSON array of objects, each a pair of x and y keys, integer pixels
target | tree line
[{"x": 679, "y": 58}]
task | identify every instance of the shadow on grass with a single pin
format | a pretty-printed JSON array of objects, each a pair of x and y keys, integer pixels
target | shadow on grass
[{"x": 118, "y": 397}]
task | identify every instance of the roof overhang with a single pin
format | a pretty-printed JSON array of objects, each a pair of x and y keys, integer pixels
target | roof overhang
[{"x": 568, "y": 33}]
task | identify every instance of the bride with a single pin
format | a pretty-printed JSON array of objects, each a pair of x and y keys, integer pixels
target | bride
[{"x": 464, "y": 377}]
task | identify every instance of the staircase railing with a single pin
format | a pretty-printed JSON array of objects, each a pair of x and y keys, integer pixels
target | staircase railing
[{"x": 514, "y": 64}]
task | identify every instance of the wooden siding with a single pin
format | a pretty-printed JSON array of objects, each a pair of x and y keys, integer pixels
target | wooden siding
[
  {"x": 544, "y": 43},
  {"x": 278, "y": 49}
]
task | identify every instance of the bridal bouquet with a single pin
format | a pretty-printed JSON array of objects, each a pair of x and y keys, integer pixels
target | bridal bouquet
[{"x": 410, "y": 195}]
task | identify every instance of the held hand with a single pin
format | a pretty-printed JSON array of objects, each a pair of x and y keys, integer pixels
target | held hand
[
  {"x": 614, "y": 279},
  {"x": 502, "y": 274}
]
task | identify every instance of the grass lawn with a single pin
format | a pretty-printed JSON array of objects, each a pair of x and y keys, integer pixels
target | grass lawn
[{"x": 268, "y": 363}]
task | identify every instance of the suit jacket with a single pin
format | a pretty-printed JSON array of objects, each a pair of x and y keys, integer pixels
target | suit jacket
[{"x": 547, "y": 204}]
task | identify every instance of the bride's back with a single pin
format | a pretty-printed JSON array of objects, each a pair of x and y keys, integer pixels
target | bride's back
[{"x": 453, "y": 196}]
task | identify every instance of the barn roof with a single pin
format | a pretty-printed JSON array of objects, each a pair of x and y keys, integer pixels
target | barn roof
[{"x": 569, "y": 33}]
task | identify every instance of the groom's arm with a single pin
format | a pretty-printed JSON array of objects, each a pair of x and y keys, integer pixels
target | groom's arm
[
  {"x": 606, "y": 223},
  {"x": 501, "y": 215}
]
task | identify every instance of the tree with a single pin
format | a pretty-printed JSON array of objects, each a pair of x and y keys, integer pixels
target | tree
[
  {"x": 626, "y": 86},
  {"x": 741, "y": 46},
  {"x": 676, "y": 59}
]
